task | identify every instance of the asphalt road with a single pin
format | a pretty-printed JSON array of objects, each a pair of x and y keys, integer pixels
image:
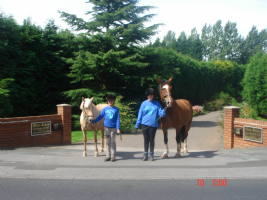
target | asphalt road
[{"x": 44, "y": 189}]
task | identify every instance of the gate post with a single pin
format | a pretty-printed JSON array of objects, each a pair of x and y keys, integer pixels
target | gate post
[
  {"x": 65, "y": 111},
  {"x": 230, "y": 113}
]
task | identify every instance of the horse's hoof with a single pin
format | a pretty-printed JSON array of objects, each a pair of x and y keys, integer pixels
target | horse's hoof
[
  {"x": 185, "y": 151},
  {"x": 177, "y": 155},
  {"x": 164, "y": 155},
  {"x": 84, "y": 155},
  {"x": 101, "y": 150},
  {"x": 96, "y": 155}
]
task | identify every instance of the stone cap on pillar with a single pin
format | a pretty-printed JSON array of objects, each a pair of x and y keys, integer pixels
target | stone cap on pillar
[
  {"x": 231, "y": 107},
  {"x": 63, "y": 105}
]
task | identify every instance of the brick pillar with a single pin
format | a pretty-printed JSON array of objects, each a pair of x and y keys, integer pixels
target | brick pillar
[
  {"x": 230, "y": 113},
  {"x": 65, "y": 111}
]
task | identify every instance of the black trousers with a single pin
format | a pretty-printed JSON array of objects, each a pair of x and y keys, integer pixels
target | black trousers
[{"x": 149, "y": 137}]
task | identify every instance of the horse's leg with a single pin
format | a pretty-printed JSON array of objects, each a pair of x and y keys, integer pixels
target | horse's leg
[
  {"x": 102, "y": 142},
  {"x": 187, "y": 127},
  {"x": 177, "y": 153},
  {"x": 84, "y": 142},
  {"x": 165, "y": 134},
  {"x": 185, "y": 146},
  {"x": 95, "y": 140}
]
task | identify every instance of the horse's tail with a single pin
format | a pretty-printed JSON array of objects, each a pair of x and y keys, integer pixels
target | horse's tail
[{"x": 183, "y": 136}]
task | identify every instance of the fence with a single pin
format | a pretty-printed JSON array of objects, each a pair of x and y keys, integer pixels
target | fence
[
  {"x": 242, "y": 133},
  {"x": 37, "y": 130}
]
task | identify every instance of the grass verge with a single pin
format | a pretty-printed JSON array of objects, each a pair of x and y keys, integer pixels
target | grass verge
[{"x": 77, "y": 136}]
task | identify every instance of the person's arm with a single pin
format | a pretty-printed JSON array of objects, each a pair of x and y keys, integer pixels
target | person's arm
[
  {"x": 139, "y": 119},
  {"x": 100, "y": 116}
]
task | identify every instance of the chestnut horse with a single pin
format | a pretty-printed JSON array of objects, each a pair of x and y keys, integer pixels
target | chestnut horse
[
  {"x": 179, "y": 116},
  {"x": 90, "y": 112}
]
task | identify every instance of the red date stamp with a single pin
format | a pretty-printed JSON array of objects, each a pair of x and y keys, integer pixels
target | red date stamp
[{"x": 216, "y": 182}]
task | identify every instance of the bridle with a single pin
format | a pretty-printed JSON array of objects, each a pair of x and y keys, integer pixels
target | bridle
[
  {"x": 166, "y": 95},
  {"x": 85, "y": 114}
]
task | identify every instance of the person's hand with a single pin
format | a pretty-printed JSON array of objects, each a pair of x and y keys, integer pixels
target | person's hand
[
  {"x": 118, "y": 131},
  {"x": 165, "y": 109}
]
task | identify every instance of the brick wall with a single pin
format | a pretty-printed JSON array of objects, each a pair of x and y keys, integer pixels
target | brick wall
[
  {"x": 232, "y": 120},
  {"x": 16, "y": 132}
]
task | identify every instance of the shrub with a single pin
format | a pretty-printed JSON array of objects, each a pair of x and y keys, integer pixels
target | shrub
[
  {"x": 246, "y": 111},
  {"x": 255, "y": 84},
  {"x": 127, "y": 117},
  {"x": 217, "y": 102}
]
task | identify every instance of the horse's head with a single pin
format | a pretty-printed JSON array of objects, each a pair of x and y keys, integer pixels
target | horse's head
[
  {"x": 165, "y": 92},
  {"x": 87, "y": 107}
]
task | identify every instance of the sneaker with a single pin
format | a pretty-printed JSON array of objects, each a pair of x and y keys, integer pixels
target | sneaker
[
  {"x": 112, "y": 159},
  {"x": 107, "y": 159}
]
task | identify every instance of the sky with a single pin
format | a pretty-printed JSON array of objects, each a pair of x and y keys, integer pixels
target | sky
[{"x": 177, "y": 15}]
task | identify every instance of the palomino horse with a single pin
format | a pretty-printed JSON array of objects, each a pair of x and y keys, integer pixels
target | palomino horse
[
  {"x": 89, "y": 113},
  {"x": 179, "y": 116}
]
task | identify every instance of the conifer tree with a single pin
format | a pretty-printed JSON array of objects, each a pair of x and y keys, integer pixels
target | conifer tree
[{"x": 114, "y": 32}]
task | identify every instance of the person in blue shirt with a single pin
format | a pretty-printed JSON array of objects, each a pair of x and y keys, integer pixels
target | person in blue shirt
[
  {"x": 111, "y": 116},
  {"x": 149, "y": 112}
]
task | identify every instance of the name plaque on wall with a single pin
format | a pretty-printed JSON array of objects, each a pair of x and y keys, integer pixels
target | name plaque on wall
[
  {"x": 252, "y": 134},
  {"x": 40, "y": 128}
]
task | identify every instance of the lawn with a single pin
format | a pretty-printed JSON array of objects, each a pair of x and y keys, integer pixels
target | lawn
[
  {"x": 77, "y": 136},
  {"x": 260, "y": 118}
]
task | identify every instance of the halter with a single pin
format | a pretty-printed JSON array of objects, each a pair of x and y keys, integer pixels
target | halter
[
  {"x": 85, "y": 114},
  {"x": 166, "y": 95}
]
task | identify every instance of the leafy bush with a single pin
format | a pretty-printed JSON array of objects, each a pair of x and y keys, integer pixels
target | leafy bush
[
  {"x": 255, "y": 84},
  {"x": 217, "y": 102},
  {"x": 75, "y": 122},
  {"x": 127, "y": 117},
  {"x": 246, "y": 111},
  {"x": 5, "y": 104}
]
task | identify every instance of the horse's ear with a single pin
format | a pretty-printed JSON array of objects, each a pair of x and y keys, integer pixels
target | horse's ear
[
  {"x": 159, "y": 81},
  {"x": 82, "y": 98},
  {"x": 92, "y": 99},
  {"x": 170, "y": 80}
]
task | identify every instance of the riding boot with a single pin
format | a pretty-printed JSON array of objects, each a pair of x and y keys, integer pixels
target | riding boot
[
  {"x": 151, "y": 156},
  {"x": 145, "y": 156}
]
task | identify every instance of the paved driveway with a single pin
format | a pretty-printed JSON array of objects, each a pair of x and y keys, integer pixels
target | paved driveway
[{"x": 204, "y": 135}]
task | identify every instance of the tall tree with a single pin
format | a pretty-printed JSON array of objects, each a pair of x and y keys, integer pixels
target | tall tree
[
  {"x": 231, "y": 43},
  {"x": 115, "y": 30},
  {"x": 206, "y": 37},
  {"x": 182, "y": 43},
  {"x": 216, "y": 40},
  {"x": 169, "y": 40},
  {"x": 195, "y": 45}
]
